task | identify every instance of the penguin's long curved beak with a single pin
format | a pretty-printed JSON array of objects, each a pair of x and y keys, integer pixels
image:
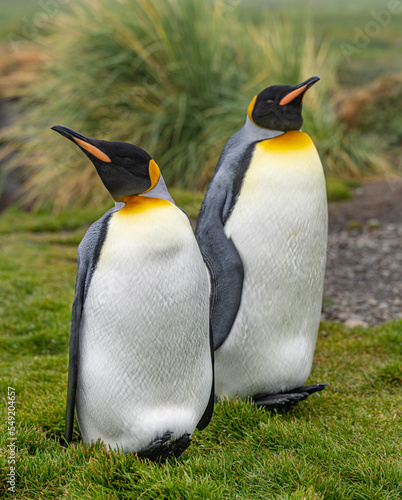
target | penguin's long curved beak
[
  {"x": 83, "y": 142},
  {"x": 69, "y": 133},
  {"x": 298, "y": 90}
]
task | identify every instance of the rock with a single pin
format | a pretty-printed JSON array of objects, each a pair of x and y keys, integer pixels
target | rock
[
  {"x": 373, "y": 224},
  {"x": 352, "y": 323}
]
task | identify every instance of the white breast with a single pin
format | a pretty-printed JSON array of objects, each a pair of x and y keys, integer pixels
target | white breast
[
  {"x": 145, "y": 366},
  {"x": 279, "y": 227}
]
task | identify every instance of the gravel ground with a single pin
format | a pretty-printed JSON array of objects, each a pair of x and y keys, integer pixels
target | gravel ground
[{"x": 363, "y": 282}]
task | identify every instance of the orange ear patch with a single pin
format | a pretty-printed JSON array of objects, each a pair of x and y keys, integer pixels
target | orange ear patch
[
  {"x": 154, "y": 174},
  {"x": 250, "y": 108},
  {"x": 292, "y": 95},
  {"x": 93, "y": 150}
]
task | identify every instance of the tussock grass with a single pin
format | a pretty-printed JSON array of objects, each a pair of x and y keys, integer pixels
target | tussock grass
[
  {"x": 371, "y": 110},
  {"x": 341, "y": 443},
  {"x": 174, "y": 77}
]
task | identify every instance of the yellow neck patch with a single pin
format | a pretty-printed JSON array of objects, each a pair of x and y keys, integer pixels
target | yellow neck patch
[
  {"x": 289, "y": 141},
  {"x": 138, "y": 204}
]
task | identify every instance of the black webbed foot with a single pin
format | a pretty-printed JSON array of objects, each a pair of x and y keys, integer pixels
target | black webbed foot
[
  {"x": 285, "y": 401},
  {"x": 163, "y": 448},
  {"x": 310, "y": 389}
]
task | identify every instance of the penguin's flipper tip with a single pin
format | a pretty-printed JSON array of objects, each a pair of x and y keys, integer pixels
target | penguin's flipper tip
[{"x": 162, "y": 448}]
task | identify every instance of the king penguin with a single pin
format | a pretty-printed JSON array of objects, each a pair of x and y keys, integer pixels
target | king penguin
[
  {"x": 140, "y": 357},
  {"x": 262, "y": 230}
]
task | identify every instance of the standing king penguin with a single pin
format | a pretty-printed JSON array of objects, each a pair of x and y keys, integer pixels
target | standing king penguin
[
  {"x": 140, "y": 359},
  {"x": 262, "y": 230}
]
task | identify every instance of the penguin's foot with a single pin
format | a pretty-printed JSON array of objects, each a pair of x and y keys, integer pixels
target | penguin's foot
[
  {"x": 285, "y": 401},
  {"x": 163, "y": 448},
  {"x": 310, "y": 389},
  {"x": 273, "y": 402}
]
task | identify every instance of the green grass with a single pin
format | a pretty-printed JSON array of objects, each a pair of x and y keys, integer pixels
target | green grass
[
  {"x": 339, "y": 190},
  {"x": 343, "y": 443},
  {"x": 15, "y": 220}
]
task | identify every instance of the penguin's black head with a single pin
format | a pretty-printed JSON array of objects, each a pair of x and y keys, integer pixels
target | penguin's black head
[
  {"x": 125, "y": 169},
  {"x": 279, "y": 107}
]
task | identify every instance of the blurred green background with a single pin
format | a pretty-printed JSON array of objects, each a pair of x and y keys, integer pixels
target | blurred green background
[{"x": 175, "y": 77}]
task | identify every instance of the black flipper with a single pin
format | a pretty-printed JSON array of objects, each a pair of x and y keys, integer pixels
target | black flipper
[
  {"x": 224, "y": 264},
  {"x": 220, "y": 254},
  {"x": 285, "y": 401},
  {"x": 73, "y": 354},
  {"x": 88, "y": 256}
]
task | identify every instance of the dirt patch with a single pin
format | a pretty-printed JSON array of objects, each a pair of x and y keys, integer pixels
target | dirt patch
[{"x": 363, "y": 282}]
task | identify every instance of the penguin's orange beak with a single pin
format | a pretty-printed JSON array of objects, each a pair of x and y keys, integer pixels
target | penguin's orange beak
[
  {"x": 93, "y": 150},
  {"x": 300, "y": 89},
  {"x": 292, "y": 95}
]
